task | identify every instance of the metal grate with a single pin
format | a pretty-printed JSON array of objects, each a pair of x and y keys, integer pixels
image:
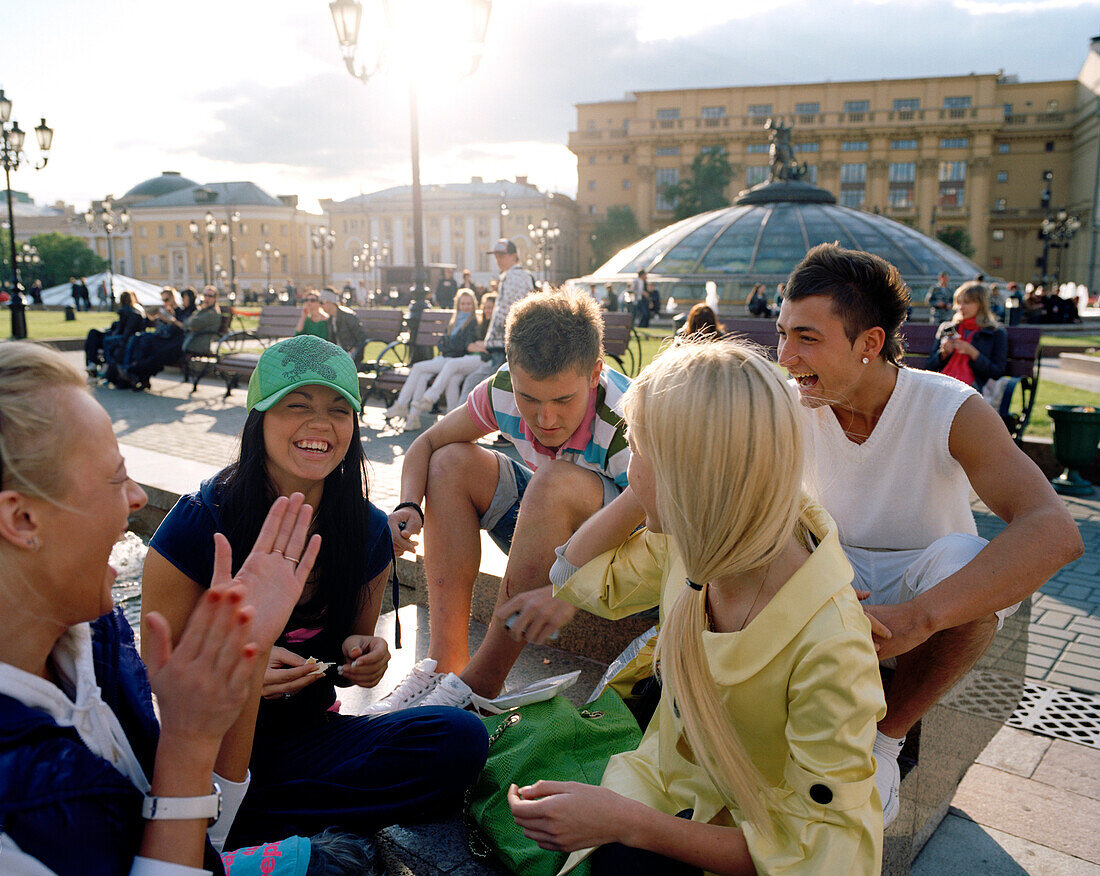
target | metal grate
[
  {"x": 986, "y": 693},
  {"x": 1063, "y": 714}
]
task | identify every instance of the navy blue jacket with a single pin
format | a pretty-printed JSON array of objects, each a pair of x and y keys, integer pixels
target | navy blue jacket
[
  {"x": 64, "y": 805},
  {"x": 991, "y": 343}
]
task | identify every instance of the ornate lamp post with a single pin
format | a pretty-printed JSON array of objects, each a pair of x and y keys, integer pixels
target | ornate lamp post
[
  {"x": 205, "y": 233},
  {"x": 107, "y": 220},
  {"x": 12, "y": 157},
  {"x": 232, "y": 217},
  {"x": 1057, "y": 230},
  {"x": 267, "y": 254},
  {"x": 544, "y": 234},
  {"x": 323, "y": 239},
  {"x": 407, "y": 16}
]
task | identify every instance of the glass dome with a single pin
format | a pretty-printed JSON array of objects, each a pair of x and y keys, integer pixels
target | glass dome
[{"x": 764, "y": 235}]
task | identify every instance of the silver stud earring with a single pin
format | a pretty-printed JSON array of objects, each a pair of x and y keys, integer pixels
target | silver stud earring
[
  {"x": 32, "y": 543},
  {"x": 866, "y": 360}
]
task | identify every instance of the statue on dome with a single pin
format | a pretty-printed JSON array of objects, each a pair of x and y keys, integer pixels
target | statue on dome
[{"x": 784, "y": 166}]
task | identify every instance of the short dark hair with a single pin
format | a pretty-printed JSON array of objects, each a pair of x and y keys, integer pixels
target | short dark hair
[
  {"x": 866, "y": 292},
  {"x": 548, "y": 333}
]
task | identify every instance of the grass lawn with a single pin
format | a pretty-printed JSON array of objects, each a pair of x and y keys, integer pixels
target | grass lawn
[{"x": 1072, "y": 340}]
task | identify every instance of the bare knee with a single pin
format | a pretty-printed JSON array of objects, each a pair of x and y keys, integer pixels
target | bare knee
[
  {"x": 564, "y": 488},
  {"x": 461, "y": 470}
]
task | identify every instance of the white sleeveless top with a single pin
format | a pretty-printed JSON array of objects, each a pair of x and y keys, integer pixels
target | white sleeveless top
[{"x": 901, "y": 489}]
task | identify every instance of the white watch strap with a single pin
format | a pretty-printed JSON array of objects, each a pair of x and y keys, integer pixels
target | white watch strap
[{"x": 179, "y": 808}]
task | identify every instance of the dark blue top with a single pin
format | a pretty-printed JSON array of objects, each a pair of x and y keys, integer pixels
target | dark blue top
[
  {"x": 64, "y": 805},
  {"x": 186, "y": 539}
]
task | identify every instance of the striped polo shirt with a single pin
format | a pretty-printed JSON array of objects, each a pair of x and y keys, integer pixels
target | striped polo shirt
[{"x": 598, "y": 444}]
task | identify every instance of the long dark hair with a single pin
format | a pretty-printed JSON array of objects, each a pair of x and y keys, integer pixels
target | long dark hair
[{"x": 246, "y": 495}]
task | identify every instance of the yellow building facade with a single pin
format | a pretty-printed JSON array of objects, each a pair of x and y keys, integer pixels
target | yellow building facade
[
  {"x": 976, "y": 152},
  {"x": 159, "y": 245},
  {"x": 461, "y": 222}
]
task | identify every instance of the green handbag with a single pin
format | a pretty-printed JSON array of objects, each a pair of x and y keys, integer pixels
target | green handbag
[{"x": 548, "y": 740}]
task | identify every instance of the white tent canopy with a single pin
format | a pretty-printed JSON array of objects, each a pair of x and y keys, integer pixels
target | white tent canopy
[{"x": 148, "y": 294}]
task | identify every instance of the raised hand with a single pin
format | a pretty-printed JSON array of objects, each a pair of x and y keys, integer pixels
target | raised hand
[
  {"x": 273, "y": 575},
  {"x": 202, "y": 683}
]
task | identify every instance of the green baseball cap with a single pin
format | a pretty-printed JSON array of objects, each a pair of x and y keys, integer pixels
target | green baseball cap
[{"x": 305, "y": 360}]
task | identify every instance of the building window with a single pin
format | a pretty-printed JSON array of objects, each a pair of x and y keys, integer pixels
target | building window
[
  {"x": 1002, "y": 176},
  {"x": 665, "y": 177},
  {"x": 956, "y": 102},
  {"x": 756, "y": 148},
  {"x": 998, "y": 234},
  {"x": 591, "y": 159},
  {"x": 906, "y": 105},
  {"x": 626, "y": 158},
  {"x": 1052, "y": 106},
  {"x": 591, "y": 126},
  {"x": 903, "y": 144},
  {"x": 141, "y": 231},
  {"x": 1000, "y": 205},
  {"x": 667, "y": 151},
  {"x": 1004, "y": 148},
  {"x": 160, "y": 231},
  {"x": 591, "y": 185},
  {"x": 668, "y": 114},
  {"x": 164, "y": 264},
  {"x": 807, "y": 109},
  {"x": 903, "y": 176},
  {"x": 853, "y": 182},
  {"x": 714, "y": 112},
  {"x": 811, "y": 174},
  {"x": 1050, "y": 146},
  {"x": 144, "y": 270},
  {"x": 1008, "y": 110},
  {"x": 853, "y": 146},
  {"x": 712, "y": 150},
  {"x": 760, "y": 109},
  {"x": 755, "y": 174},
  {"x": 952, "y": 177},
  {"x": 626, "y": 184},
  {"x": 857, "y": 106},
  {"x": 282, "y": 228},
  {"x": 954, "y": 142},
  {"x": 179, "y": 230},
  {"x": 805, "y": 147}
]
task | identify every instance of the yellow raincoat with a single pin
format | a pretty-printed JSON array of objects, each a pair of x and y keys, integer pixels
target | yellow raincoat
[{"x": 800, "y": 684}]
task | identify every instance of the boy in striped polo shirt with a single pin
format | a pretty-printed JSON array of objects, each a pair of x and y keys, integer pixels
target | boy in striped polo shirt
[{"x": 558, "y": 403}]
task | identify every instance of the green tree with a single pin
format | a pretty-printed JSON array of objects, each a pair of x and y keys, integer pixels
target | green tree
[
  {"x": 957, "y": 239},
  {"x": 611, "y": 234},
  {"x": 705, "y": 189},
  {"x": 63, "y": 256}
]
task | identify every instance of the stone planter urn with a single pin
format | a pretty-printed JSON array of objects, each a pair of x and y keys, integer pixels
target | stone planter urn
[{"x": 1076, "y": 437}]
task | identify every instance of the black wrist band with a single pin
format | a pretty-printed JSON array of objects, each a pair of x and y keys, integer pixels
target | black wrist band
[{"x": 415, "y": 508}]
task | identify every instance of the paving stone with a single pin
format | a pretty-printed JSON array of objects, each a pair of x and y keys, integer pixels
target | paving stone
[
  {"x": 1030, "y": 810},
  {"x": 961, "y": 846},
  {"x": 1066, "y": 677},
  {"x": 1015, "y": 751},
  {"x": 1057, "y": 619},
  {"x": 1071, "y": 767}
]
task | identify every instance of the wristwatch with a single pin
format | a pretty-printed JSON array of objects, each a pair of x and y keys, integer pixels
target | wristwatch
[{"x": 179, "y": 808}]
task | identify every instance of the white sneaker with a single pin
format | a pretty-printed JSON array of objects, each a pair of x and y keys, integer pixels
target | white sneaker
[
  {"x": 421, "y": 681},
  {"x": 412, "y": 422},
  {"x": 396, "y": 410},
  {"x": 888, "y": 775},
  {"x": 450, "y": 691},
  {"x": 423, "y": 405}
]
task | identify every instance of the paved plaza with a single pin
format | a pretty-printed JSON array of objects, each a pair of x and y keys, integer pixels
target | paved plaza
[{"x": 1029, "y": 805}]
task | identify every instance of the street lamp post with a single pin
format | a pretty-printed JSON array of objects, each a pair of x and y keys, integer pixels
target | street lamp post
[
  {"x": 232, "y": 217},
  {"x": 267, "y": 254},
  {"x": 110, "y": 222},
  {"x": 347, "y": 16},
  {"x": 323, "y": 239},
  {"x": 543, "y": 235},
  {"x": 205, "y": 233},
  {"x": 1057, "y": 230},
  {"x": 12, "y": 157}
]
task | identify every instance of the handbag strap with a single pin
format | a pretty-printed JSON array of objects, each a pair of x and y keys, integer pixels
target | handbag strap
[{"x": 475, "y": 840}]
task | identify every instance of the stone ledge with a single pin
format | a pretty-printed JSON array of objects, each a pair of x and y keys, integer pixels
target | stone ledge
[{"x": 1080, "y": 363}]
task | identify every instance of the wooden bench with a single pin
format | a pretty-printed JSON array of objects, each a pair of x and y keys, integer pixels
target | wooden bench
[
  {"x": 387, "y": 377},
  {"x": 205, "y": 361},
  {"x": 382, "y": 325},
  {"x": 621, "y": 340}
]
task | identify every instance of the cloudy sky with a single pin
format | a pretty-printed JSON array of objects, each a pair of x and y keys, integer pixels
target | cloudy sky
[{"x": 230, "y": 90}]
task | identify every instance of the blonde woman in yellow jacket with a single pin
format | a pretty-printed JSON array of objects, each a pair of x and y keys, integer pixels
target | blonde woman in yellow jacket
[{"x": 759, "y": 757}]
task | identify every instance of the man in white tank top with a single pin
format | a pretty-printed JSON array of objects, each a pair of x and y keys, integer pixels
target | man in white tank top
[{"x": 892, "y": 455}]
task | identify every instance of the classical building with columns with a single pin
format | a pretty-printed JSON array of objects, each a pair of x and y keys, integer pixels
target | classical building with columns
[
  {"x": 461, "y": 223},
  {"x": 985, "y": 153}
]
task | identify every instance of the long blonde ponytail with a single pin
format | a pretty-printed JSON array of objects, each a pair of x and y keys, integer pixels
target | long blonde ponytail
[{"x": 721, "y": 430}]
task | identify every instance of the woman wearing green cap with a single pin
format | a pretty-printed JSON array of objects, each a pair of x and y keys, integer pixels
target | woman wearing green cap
[{"x": 312, "y": 767}]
